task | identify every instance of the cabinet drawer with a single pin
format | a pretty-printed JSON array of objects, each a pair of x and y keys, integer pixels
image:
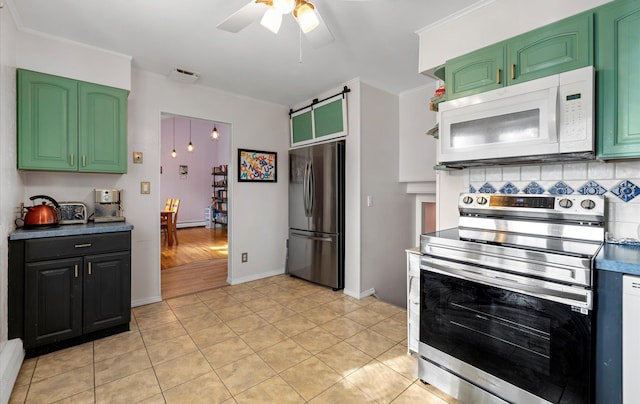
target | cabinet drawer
[{"x": 72, "y": 246}]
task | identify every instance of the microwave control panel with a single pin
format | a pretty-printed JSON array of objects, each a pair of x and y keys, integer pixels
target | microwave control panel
[{"x": 576, "y": 111}]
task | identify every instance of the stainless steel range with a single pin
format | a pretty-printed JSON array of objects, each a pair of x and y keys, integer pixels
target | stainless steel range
[{"x": 507, "y": 298}]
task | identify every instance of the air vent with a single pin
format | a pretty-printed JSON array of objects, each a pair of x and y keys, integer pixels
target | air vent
[{"x": 183, "y": 76}]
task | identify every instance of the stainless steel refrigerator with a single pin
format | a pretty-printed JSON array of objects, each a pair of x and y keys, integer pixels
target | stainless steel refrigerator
[{"x": 316, "y": 214}]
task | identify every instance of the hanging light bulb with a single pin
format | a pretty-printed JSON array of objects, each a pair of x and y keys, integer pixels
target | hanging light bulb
[
  {"x": 306, "y": 16},
  {"x": 214, "y": 133},
  {"x": 173, "y": 153},
  {"x": 190, "y": 145},
  {"x": 271, "y": 20},
  {"x": 284, "y": 6}
]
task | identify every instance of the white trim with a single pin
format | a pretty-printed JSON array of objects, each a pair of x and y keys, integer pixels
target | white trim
[
  {"x": 11, "y": 357},
  {"x": 455, "y": 16},
  {"x": 145, "y": 301},
  {"x": 361, "y": 295},
  {"x": 255, "y": 277}
]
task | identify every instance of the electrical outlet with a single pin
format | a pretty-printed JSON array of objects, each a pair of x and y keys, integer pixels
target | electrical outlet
[{"x": 245, "y": 257}]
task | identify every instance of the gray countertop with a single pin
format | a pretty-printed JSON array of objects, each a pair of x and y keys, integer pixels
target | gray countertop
[
  {"x": 619, "y": 258},
  {"x": 71, "y": 230}
]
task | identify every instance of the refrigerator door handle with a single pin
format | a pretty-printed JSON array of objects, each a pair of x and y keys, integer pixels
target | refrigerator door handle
[
  {"x": 305, "y": 189},
  {"x": 312, "y": 186}
]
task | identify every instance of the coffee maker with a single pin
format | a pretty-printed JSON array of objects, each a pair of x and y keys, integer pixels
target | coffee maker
[{"x": 107, "y": 206}]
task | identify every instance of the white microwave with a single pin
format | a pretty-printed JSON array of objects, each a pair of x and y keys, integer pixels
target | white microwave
[{"x": 547, "y": 119}]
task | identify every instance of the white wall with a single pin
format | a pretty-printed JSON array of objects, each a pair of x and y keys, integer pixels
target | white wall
[
  {"x": 386, "y": 225},
  {"x": 489, "y": 22},
  {"x": 61, "y": 57},
  {"x": 417, "y": 151},
  {"x": 11, "y": 189}
]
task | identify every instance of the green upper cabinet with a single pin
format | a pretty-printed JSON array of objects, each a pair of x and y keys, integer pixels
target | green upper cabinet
[
  {"x": 320, "y": 121},
  {"x": 562, "y": 46},
  {"x": 555, "y": 48},
  {"x": 69, "y": 125},
  {"x": 102, "y": 128},
  {"x": 475, "y": 72},
  {"x": 47, "y": 122},
  {"x": 617, "y": 62}
]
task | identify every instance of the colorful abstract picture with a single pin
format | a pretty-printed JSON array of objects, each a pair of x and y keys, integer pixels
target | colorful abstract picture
[{"x": 254, "y": 165}]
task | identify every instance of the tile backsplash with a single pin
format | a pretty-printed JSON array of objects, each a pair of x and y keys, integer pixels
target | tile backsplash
[{"x": 619, "y": 182}]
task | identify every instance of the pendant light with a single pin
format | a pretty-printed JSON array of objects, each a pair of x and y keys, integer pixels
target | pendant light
[
  {"x": 190, "y": 145},
  {"x": 173, "y": 153},
  {"x": 214, "y": 133},
  {"x": 271, "y": 20}
]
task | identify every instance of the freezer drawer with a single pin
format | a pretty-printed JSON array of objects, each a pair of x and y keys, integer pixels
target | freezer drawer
[{"x": 316, "y": 257}]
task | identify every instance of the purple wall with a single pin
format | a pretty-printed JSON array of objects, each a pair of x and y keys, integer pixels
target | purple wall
[{"x": 193, "y": 189}]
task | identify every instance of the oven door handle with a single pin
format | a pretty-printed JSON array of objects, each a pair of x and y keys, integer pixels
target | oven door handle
[{"x": 573, "y": 296}]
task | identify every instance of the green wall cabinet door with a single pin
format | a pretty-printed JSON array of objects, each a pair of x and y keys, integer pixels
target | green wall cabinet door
[
  {"x": 70, "y": 125},
  {"x": 102, "y": 128},
  {"x": 475, "y": 72},
  {"x": 559, "y": 47},
  {"x": 617, "y": 62},
  {"x": 321, "y": 121},
  {"x": 302, "y": 127},
  {"x": 47, "y": 122},
  {"x": 555, "y": 48}
]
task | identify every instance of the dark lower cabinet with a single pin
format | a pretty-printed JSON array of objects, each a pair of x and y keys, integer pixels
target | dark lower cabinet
[
  {"x": 67, "y": 290},
  {"x": 53, "y": 301}
]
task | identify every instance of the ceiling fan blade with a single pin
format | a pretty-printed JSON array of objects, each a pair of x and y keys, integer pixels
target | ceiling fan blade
[
  {"x": 243, "y": 17},
  {"x": 321, "y": 35}
]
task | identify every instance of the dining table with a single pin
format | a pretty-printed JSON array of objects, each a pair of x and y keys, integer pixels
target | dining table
[{"x": 168, "y": 216}]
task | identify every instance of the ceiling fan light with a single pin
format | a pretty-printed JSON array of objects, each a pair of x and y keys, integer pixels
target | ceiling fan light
[
  {"x": 284, "y": 6},
  {"x": 271, "y": 20},
  {"x": 307, "y": 17}
]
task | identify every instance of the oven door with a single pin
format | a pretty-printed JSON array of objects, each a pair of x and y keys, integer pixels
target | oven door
[{"x": 524, "y": 343}]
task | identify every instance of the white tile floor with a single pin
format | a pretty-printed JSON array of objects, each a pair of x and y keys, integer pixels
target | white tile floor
[{"x": 276, "y": 340}]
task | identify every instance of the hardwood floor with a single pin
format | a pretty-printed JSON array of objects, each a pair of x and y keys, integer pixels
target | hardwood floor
[{"x": 197, "y": 263}]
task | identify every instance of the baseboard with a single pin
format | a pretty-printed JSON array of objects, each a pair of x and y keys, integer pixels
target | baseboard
[
  {"x": 237, "y": 281},
  {"x": 149, "y": 300},
  {"x": 200, "y": 223},
  {"x": 11, "y": 357},
  {"x": 360, "y": 295}
]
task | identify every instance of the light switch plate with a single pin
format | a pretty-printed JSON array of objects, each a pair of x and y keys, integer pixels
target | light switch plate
[
  {"x": 145, "y": 187},
  {"x": 137, "y": 157}
]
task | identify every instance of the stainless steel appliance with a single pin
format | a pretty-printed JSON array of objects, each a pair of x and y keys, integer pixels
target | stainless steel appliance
[
  {"x": 108, "y": 206},
  {"x": 316, "y": 214},
  {"x": 546, "y": 119},
  {"x": 507, "y": 298},
  {"x": 73, "y": 213}
]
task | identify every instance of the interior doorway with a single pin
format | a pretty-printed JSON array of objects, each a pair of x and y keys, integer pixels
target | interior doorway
[{"x": 194, "y": 161}]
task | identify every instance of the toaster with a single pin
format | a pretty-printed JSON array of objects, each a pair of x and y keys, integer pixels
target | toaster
[{"x": 72, "y": 213}]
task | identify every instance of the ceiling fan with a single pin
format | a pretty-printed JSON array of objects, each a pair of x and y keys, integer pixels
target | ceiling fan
[{"x": 304, "y": 11}]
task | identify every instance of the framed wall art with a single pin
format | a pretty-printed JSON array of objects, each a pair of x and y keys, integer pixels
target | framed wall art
[{"x": 256, "y": 166}]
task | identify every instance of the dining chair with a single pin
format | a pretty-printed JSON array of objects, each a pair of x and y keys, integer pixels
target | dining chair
[
  {"x": 170, "y": 205},
  {"x": 174, "y": 207}
]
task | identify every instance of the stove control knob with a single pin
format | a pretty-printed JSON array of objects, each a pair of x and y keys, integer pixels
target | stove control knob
[
  {"x": 482, "y": 200},
  {"x": 467, "y": 200},
  {"x": 565, "y": 203},
  {"x": 588, "y": 204}
]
